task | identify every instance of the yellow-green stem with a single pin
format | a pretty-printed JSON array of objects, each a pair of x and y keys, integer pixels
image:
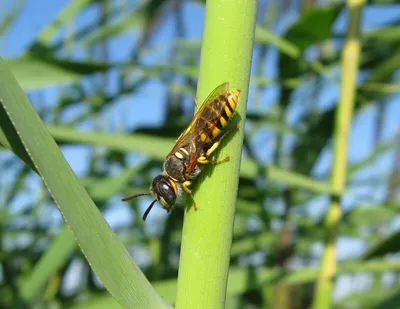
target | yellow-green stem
[
  {"x": 207, "y": 233},
  {"x": 350, "y": 60}
]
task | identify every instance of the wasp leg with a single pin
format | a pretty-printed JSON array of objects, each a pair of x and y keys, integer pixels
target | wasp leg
[
  {"x": 203, "y": 160},
  {"x": 185, "y": 187}
]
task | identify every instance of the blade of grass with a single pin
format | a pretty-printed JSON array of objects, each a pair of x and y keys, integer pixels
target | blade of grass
[
  {"x": 143, "y": 13},
  {"x": 207, "y": 233},
  {"x": 57, "y": 255},
  {"x": 144, "y": 143},
  {"x": 350, "y": 61},
  {"x": 34, "y": 71},
  {"x": 264, "y": 36},
  {"x": 388, "y": 245},
  {"x": 378, "y": 151},
  {"x": 7, "y": 134},
  {"x": 378, "y": 297},
  {"x": 107, "y": 257},
  {"x": 69, "y": 12},
  {"x": 102, "y": 302},
  {"x": 11, "y": 15},
  {"x": 64, "y": 243}
]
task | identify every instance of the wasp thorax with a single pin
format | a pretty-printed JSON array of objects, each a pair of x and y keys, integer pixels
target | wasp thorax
[{"x": 163, "y": 191}]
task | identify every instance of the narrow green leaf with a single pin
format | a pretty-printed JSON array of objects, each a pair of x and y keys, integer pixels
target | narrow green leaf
[
  {"x": 107, "y": 257},
  {"x": 145, "y": 144},
  {"x": 296, "y": 180},
  {"x": 114, "y": 185},
  {"x": 389, "y": 245},
  {"x": 54, "y": 258},
  {"x": 145, "y": 12},
  {"x": 70, "y": 11},
  {"x": 266, "y": 37},
  {"x": 377, "y": 297},
  {"x": 362, "y": 216},
  {"x": 135, "y": 143},
  {"x": 374, "y": 155},
  {"x": 103, "y": 302},
  {"x": 388, "y": 66},
  {"x": 34, "y": 71},
  {"x": 384, "y": 35},
  {"x": 252, "y": 243},
  {"x": 10, "y": 16},
  {"x": 9, "y": 139}
]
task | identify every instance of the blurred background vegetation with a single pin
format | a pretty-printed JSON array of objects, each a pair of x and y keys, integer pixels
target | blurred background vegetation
[{"x": 100, "y": 71}]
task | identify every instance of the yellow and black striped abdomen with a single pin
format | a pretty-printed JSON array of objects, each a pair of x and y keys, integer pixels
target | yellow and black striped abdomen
[{"x": 217, "y": 114}]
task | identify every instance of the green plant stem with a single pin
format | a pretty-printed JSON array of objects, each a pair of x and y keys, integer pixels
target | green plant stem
[
  {"x": 207, "y": 233},
  {"x": 350, "y": 60}
]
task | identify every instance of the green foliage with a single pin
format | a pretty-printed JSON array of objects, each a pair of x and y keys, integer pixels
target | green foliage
[{"x": 91, "y": 97}]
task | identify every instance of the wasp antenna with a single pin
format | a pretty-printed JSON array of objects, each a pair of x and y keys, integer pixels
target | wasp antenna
[
  {"x": 134, "y": 196},
  {"x": 146, "y": 213}
]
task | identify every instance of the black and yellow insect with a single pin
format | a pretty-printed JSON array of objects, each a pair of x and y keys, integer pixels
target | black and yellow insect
[{"x": 193, "y": 148}]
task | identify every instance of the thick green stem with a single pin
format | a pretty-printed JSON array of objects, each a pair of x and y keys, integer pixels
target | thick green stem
[
  {"x": 207, "y": 233},
  {"x": 350, "y": 60}
]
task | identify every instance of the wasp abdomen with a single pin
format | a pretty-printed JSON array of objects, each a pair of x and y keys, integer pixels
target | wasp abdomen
[{"x": 217, "y": 115}]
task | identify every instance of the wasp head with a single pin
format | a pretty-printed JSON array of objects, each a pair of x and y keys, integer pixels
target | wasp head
[
  {"x": 164, "y": 192},
  {"x": 163, "y": 189}
]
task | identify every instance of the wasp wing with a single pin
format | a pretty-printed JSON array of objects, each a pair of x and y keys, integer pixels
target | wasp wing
[
  {"x": 190, "y": 139},
  {"x": 220, "y": 90}
]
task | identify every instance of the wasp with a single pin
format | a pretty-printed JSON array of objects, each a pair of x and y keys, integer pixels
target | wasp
[{"x": 193, "y": 149}]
